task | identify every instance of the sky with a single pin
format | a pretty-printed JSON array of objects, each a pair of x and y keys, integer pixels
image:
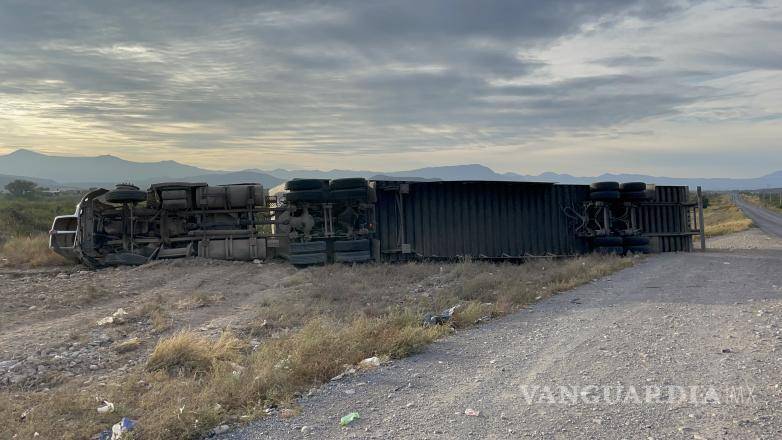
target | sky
[{"x": 679, "y": 88}]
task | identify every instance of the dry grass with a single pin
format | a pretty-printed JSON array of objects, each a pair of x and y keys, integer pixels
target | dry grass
[
  {"x": 127, "y": 345},
  {"x": 326, "y": 320},
  {"x": 30, "y": 251},
  {"x": 723, "y": 217},
  {"x": 155, "y": 311}
]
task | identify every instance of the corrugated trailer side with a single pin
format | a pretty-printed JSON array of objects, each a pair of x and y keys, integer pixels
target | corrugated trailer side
[{"x": 502, "y": 220}]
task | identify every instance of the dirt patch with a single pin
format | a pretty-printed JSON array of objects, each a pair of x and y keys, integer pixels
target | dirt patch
[{"x": 285, "y": 330}]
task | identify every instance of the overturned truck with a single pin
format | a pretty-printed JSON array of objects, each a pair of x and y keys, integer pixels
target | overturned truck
[{"x": 355, "y": 220}]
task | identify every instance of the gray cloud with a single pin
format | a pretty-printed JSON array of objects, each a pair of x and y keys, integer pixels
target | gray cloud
[{"x": 347, "y": 76}]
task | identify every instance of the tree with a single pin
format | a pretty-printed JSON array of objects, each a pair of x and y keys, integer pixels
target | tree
[{"x": 22, "y": 188}]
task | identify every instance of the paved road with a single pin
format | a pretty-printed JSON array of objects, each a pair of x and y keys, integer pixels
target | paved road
[
  {"x": 565, "y": 367},
  {"x": 768, "y": 221}
]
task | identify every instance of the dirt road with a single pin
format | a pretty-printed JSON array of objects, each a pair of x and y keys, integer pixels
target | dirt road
[
  {"x": 695, "y": 336},
  {"x": 768, "y": 221}
]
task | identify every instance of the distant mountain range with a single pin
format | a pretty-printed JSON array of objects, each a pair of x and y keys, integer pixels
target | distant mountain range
[{"x": 105, "y": 171}]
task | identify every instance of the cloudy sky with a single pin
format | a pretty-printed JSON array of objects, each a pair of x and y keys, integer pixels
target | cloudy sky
[{"x": 579, "y": 86}]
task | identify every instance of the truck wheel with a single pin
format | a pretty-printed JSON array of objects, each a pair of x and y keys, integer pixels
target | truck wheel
[
  {"x": 306, "y": 184},
  {"x": 308, "y": 195},
  {"x": 351, "y": 245},
  {"x": 635, "y": 241},
  {"x": 604, "y": 186},
  {"x": 632, "y": 186},
  {"x": 307, "y": 259},
  {"x": 352, "y": 257},
  {"x": 307, "y": 247},
  {"x": 126, "y": 194},
  {"x": 609, "y": 241},
  {"x": 357, "y": 194},
  {"x": 349, "y": 183},
  {"x": 635, "y": 195},
  {"x": 605, "y": 196},
  {"x": 610, "y": 250}
]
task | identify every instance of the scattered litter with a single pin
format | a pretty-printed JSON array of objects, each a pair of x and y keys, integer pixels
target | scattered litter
[
  {"x": 106, "y": 407},
  {"x": 348, "y": 419},
  {"x": 368, "y": 363},
  {"x": 104, "y": 435},
  {"x": 120, "y": 428},
  {"x": 442, "y": 318},
  {"x": 727, "y": 350},
  {"x": 472, "y": 412},
  {"x": 350, "y": 392},
  {"x": 117, "y": 317},
  {"x": 221, "y": 429},
  {"x": 726, "y": 262}
]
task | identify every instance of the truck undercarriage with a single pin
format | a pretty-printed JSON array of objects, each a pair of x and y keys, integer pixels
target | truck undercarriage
[{"x": 353, "y": 220}]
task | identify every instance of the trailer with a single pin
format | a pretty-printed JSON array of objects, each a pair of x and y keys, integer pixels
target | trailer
[{"x": 356, "y": 220}]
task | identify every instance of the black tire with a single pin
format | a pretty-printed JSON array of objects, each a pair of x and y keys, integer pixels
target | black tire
[
  {"x": 607, "y": 241},
  {"x": 355, "y": 194},
  {"x": 306, "y": 184},
  {"x": 610, "y": 250},
  {"x": 636, "y": 196},
  {"x": 352, "y": 257},
  {"x": 635, "y": 241},
  {"x": 307, "y": 259},
  {"x": 604, "y": 186},
  {"x": 351, "y": 245},
  {"x": 605, "y": 196},
  {"x": 638, "y": 249},
  {"x": 632, "y": 186},
  {"x": 308, "y": 247},
  {"x": 126, "y": 195},
  {"x": 309, "y": 195},
  {"x": 348, "y": 183}
]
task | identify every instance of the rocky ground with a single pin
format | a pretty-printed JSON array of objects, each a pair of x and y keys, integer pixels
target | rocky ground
[
  {"x": 750, "y": 239},
  {"x": 49, "y": 329},
  {"x": 675, "y": 321}
]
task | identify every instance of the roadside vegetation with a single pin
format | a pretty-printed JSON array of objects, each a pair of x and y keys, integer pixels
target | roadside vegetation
[
  {"x": 722, "y": 216},
  {"x": 768, "y": 199},
  {"x": 313, "y": 325},
  {"x": 26, "y": 214}
]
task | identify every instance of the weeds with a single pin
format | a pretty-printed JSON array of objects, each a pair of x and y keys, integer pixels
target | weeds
[
  {"x": 30, "y": 251},
  {"x": 723, "y": 217},
  {"x": 184, "y": 352}
]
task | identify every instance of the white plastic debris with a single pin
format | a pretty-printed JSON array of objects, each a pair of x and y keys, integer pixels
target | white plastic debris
[
  {"x": 369, "y": 363},
  {"x": 472, "y": 412},
  {"x": 120, "y": 428},
  {"x": 106, "y": 407}
]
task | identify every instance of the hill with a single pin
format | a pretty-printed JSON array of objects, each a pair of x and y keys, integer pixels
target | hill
[
  {"x": 104, "y": 171},
  {"x": 91, "y": 169}
]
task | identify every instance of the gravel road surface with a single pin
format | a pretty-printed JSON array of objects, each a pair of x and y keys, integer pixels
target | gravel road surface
[
  {"x": 768, "y": 221},
  {"x": 696, "y": 337}
]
